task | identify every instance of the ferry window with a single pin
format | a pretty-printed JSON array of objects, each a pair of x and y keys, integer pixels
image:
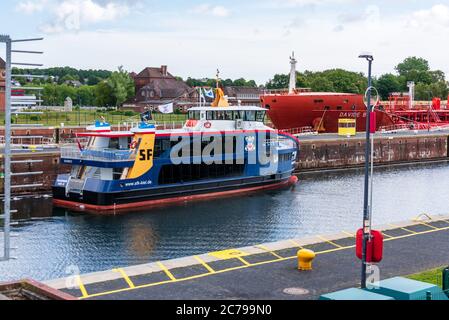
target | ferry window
[
  {"x": 160, "y": 146},
  {"x": 194, "y": 115},
  {"x": 228, "y": 115},
  {"x": 327, "y": 108},
  {"x": 250, "y": 115},
  {"x": 260, "y": 116},
  {"x": 318, "y": 101},
  {"x": 220, "y": 115},
  {"x": 239, "y": 115},
  {"x": 339, "y": 108},
  {"x": 117, "y": 173},
  {"x": 210, "y": 115},
  {"x": 170, "y": 174},
  {"x": 114, "y": 143}
]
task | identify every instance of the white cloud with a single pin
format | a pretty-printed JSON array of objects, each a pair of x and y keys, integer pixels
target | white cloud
[
  {"x": 30, "y": 7},
  {"x": 217, "y": 11},
  {"x": 73, "y": 15},
  {"x": 437, "y": 16},
  {"x": 303, "y": 3}
]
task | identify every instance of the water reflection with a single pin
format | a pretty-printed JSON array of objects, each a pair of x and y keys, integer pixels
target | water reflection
[{"x": 52, "y": 239}]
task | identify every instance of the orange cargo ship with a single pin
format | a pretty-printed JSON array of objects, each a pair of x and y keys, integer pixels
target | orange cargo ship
[
  {"x": 300, "y": 110},
  {"x": 318, "y": 111}
]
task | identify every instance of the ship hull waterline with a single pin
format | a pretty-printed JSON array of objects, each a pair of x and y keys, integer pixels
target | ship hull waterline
[{"x": 165, "y": 201}]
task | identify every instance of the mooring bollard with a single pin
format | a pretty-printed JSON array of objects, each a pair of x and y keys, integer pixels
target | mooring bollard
[{"x": 305, "y": 259}]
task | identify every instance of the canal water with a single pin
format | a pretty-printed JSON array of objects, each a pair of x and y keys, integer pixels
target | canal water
[{"x": 51, "y": 241}]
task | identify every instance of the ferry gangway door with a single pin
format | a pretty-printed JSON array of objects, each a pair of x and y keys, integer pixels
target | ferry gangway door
[
  {"x": 375, "y": 246},
  {"x": 347, "y": 127}
]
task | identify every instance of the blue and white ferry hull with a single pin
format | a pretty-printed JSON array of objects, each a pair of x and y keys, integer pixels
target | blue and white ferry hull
[{"x": 134, "y": 170}]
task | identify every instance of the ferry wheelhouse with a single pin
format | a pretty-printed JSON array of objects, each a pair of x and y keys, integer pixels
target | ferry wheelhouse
[{"x": 220, "y": 151}]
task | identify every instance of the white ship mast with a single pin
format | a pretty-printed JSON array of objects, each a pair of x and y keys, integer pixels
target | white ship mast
[{"x": 292, "y": 85}]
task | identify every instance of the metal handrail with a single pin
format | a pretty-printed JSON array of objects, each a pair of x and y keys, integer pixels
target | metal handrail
[{"x": 96, "y": 154}]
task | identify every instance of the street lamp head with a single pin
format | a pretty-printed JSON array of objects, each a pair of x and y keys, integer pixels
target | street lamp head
[{"x": 367, "y": 56}]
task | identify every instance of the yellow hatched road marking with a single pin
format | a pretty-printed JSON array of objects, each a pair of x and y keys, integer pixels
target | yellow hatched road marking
[
  {"x": 330, "y": 242},
  {"x": 205, "y": 265},
  {"x": 387, "y": 235},
  {"x": 228, "y": 254},
  {"x": 167, "y": 272},
  {"x": 416, "y": 234},
  {"x": 296, "y": 244},
  {"x": 405, "y": 229},
  {"x": 125, "y": 277},
  {"x": 335, "y": 250},
  {"x": 428, "y": 225},
  {"x": 82, "y": 287},
  {"x": 269, "y": 251},
  {"x": 349, "y": 234},
  {"x": 247, "y": 265}
]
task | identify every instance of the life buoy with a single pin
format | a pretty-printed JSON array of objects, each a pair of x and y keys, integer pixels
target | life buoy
[
  {"x": 133, "y": 145},
  {"x": 207, "y": 125}
]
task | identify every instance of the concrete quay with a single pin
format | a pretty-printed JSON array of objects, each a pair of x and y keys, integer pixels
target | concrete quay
[{"x": 269, "y": 271}]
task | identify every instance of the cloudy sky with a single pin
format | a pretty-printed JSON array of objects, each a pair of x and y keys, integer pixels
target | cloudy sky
[{"x": 251, "y": 38}]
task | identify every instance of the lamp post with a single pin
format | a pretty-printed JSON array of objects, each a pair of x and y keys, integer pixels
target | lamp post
[{"x": 366, "y": 209}]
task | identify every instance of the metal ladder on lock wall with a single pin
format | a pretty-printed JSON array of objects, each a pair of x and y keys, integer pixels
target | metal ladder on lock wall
[{"x": 17, "y": 105}]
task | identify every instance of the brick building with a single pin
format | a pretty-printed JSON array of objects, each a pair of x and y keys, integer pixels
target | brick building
[
  {"x": 2, "y": 85},
  {"x": 156, "y": 86},
  {"x": 246, "y": 96}
]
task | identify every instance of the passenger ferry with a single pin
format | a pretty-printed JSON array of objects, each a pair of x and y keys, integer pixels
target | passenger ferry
[{"x": 221, "y": 150}]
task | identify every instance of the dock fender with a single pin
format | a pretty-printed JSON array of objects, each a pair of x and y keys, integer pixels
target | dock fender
[{"x": 293, "y": 181}]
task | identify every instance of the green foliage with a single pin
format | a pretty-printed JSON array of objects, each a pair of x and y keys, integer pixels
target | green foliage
[
  {"x": 104, "y": 95},
  {"x": 335, "y": 80},
  {"x": 55, "y": 95},
  {"x": 279, "y": 81},
  {"x": 429, "y": 83},
  {"x": 412, "y": 64},
  {"x": 226, "y": 83},
  {"x": 433, "y": 276},
  {"x": 387, "y": 84},
  {"x": 89, "y": 77},
  {"x": 122, "y": 86}
]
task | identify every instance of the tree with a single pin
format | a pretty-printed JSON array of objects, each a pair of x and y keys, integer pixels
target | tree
[
  {"x": 321, "y": 84},
  {"x": 122, "y": 86},
  {"x": 412, "y": 63},
  {"x": 415, "y": 69},
  {"x": 85, "y": 96},
  {"x": 279, "y": 81},
  {"x": 387, "y": 84},
  {"x": 103, "y": 95},
  {"x": 426, "y": 92}
]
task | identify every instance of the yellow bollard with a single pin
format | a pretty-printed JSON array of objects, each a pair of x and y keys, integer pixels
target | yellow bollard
[{"x": 305, "y": 259}]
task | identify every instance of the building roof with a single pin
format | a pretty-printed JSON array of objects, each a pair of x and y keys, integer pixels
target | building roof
[
  {"x": 232, "y": 90},
  {"x": 150, "y": 72},
  {"x": 2, "y": 63}
]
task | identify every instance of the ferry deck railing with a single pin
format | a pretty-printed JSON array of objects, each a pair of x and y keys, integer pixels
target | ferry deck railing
[
  {"x": 96, "y": 154},
  {"x": 302, "y": 131}
]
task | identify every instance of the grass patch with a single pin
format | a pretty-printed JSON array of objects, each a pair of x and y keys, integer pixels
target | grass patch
[{"x": 433, "y": 276}]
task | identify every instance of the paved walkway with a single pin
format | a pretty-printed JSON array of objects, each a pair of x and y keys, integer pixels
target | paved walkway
[{"x": 264, "y": 272}]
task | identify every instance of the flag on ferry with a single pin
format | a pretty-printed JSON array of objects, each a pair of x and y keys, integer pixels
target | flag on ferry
[
  {"x": 202, "y": 97},
  {"x": 209, "y": 93},
  {"x": 166, "y": 108}
]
